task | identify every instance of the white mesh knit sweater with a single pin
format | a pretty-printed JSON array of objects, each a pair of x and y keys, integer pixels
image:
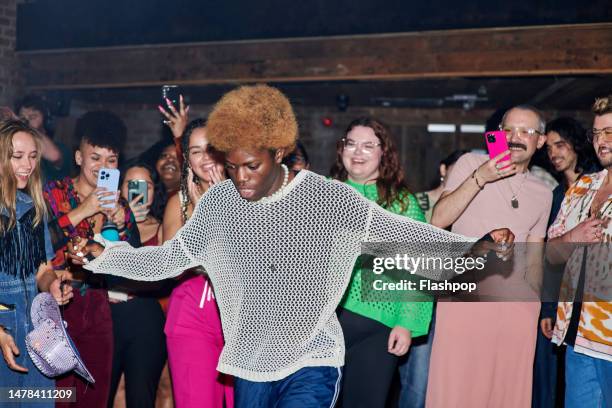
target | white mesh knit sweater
[{"x": 279, "y": 268}]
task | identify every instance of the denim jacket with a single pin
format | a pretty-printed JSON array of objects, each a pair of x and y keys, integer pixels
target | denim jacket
[{"x": 17, "y": 289}]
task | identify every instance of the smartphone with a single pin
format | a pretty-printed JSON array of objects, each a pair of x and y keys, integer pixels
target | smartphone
[
  {"x": 171, "y": 92},
  {"x": 496, "y": 143},
  {"x": 137, "y": 187},
  {"x": 109, "y": 179}
]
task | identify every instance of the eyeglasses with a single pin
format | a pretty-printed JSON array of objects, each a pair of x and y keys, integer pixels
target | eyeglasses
[
  {"x": 595, "y": 134},
  {"x": 521, "y": 131},
  {"x": 366, "y": 147}
]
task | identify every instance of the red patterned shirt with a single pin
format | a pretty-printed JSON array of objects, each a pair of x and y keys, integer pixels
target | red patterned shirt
[{"x": 62, "y": 198}]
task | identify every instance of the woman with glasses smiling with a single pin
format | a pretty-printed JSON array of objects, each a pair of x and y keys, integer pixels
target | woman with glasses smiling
[{"x": 376, "y": 333}]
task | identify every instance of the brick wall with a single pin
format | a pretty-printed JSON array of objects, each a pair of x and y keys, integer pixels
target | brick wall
[
  {"x": 420, "y": 150},
  {"x": 9, "y": 77}
]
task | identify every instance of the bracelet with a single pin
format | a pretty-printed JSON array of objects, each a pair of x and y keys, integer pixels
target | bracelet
[{"x": 476, "y": 180}]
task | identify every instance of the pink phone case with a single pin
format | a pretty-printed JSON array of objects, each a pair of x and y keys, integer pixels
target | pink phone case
[{"x": 496, "y": 143}]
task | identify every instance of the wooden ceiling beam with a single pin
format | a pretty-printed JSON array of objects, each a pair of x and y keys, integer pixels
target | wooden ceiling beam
[{"x": 491, "y": 52}]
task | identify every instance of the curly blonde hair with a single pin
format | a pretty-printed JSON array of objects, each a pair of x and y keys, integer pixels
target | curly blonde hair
[
  {"x": 257, "y": 116},
  {"x": 603, "y": 105}
]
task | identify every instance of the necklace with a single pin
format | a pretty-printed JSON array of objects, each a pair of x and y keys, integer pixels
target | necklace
[
  {"x": 514, "y": 202},
  {"x": 274, "y": 196}
]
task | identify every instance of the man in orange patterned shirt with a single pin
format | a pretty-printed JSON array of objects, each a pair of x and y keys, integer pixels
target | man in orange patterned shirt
[{"x": 586, "y": 327}]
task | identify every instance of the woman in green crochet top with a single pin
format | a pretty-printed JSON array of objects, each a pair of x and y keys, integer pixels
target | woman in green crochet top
[{"x": 376, "y": 333}]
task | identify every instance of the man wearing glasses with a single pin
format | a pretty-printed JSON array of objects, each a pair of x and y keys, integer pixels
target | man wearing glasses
[
  {"x": 585, "y": 327},
  {"x": 571, "y": 156},
  {"x": 482, "y": 354}
]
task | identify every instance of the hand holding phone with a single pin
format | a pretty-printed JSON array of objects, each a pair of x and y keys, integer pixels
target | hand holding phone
[
  {"x": 170, "y": 96},
  {"x": 108, "y": 179},
  {"x": 500, "y": 164},
  {"x": 138, "y": 191},
  {"x": 174, "y": 110},
  {"x": 136, "y": 188},
  {"x": 99, "y": 200},
  {"x": 497, "y": 143}
]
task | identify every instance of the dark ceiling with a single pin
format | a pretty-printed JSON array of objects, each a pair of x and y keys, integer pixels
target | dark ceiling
[
  {"x": 49, "y": 24},
  {"x": 45, "y": 24}
]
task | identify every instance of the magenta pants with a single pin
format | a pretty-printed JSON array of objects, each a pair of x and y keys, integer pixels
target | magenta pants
[{"x": 194, "y": 339}]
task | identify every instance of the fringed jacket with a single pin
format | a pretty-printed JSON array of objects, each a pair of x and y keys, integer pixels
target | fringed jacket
[{"x": 24, "y": 247}]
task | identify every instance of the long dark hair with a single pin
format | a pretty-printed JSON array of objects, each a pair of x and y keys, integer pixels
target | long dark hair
[
  {"x": 159, "y": 190},
  {"x": 391, "y": 182},
  {"x": 574, "y": 133},
  {"x": 184, "y": 196}
]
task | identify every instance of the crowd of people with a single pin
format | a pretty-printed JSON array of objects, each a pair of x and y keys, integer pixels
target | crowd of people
[{"x": 243, "y": 270}]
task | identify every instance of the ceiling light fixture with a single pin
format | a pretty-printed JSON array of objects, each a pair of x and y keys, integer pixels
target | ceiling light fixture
[
  {"x": 472, "y": 128},
  {"x": 441, "y": 128}
]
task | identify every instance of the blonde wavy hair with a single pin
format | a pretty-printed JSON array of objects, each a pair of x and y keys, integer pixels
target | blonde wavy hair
[
  {"x": 603, "y": 105},
  {"x": 8, "y": 180}
]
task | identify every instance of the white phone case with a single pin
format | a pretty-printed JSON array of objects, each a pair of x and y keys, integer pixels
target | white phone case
[{"x": 109, "y": 179}]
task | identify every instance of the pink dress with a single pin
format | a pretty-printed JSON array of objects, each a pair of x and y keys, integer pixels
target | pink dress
[{"x": 482, "y": 353}]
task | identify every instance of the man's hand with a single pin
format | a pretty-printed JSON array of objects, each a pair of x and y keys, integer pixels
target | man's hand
[
  {"x": 588, "y": 231},
  {"x": 176, "y": 120},
  {"x": 546, "y": 325},
  {"x": 500, "y": 241},
  {"x": 399, "y": 341},
  {"x": 495, "y": 169},
  {"x": 79, "y": 248},
  {"x": 9, "y": 351}
]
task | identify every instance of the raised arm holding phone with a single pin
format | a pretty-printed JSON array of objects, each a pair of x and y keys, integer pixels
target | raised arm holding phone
[{"x": 483, "y": 193}]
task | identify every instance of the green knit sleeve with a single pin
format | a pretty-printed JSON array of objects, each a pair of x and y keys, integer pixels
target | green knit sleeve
[
  {"x": 414, "y": 210},
  {"x": 416, "y": 316}
]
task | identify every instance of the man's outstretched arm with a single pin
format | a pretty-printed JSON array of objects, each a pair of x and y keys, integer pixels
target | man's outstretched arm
[{"x": 151, "y": 263}]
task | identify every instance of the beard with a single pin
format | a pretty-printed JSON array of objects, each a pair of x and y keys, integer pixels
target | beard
[
  {"x": 606, "y": 162},
  {"x": 605, "y": 159}
]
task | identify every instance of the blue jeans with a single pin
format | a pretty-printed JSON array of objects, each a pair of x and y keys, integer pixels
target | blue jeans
[
  {"x": 414, "y": 370},
  {"x": 310, "y": 387},
  {"x": 588, "y": 381},
  {"x": 19, "y": 294}
]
